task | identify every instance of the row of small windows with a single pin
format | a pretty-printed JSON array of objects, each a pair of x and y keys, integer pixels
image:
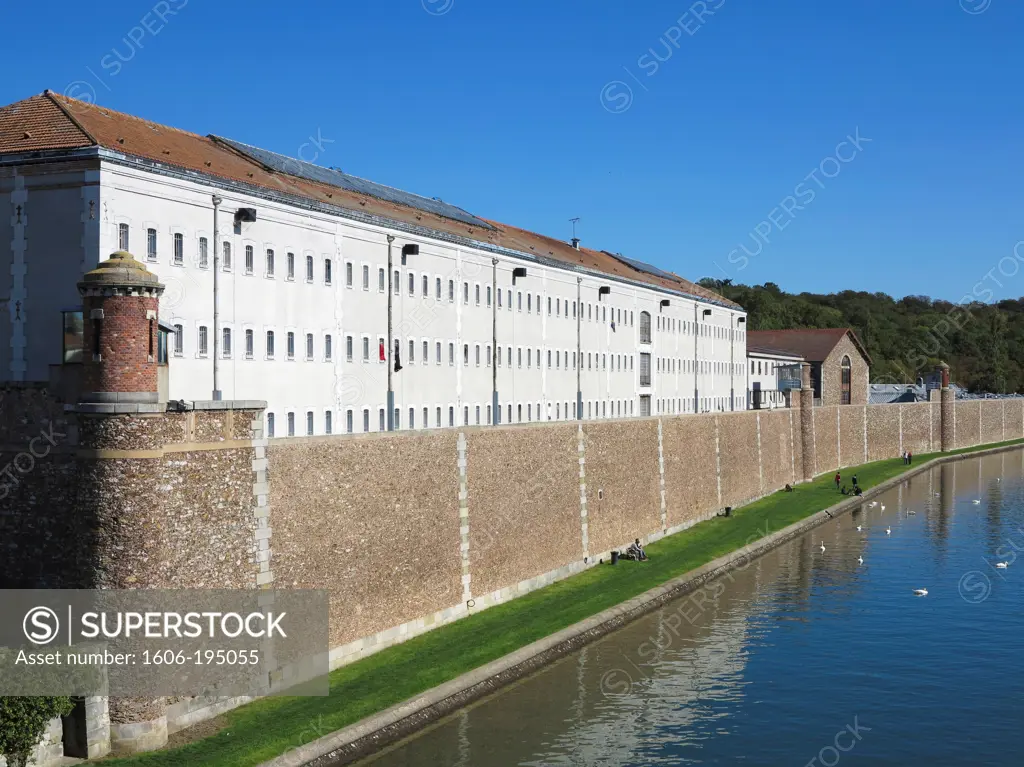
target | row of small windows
[
  {"x": 481, "y": 295},
  {"x": 769, "y": 367},
  {"x": 477, "y": 415},
  {"x": 673, "y": 406},
  {"x": 621, "y": 317},
  {"x": 203, "y": 256},
  {"x": 555, "y": 306},
  {"x": 477, "y": 354},
  {"x": 439, "y": 417},
  {"x": 270, "y": 348},
  {"x": 685, "y": 327}
]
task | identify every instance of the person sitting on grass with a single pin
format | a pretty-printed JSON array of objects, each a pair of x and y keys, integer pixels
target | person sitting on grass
[{"x": 636, "y": 551}]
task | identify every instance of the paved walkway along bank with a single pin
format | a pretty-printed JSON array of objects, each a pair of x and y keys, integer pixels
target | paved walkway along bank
[{"x": 403, "y": 688}]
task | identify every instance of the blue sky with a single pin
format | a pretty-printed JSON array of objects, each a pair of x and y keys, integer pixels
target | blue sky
[{"x": 536, "y": 111}]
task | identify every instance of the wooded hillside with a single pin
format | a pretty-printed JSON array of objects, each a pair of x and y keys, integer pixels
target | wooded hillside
[{"x": 983, "y": 343}]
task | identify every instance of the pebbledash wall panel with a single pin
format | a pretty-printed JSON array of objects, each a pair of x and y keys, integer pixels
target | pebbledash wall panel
[
  {"x": 741, "y": 473},
  {"x": 883, "y": 431},
  {"x": 991, "y": 421},
  {"x": 623, "y": 482},
  {"x": 523, "y": 503},
  {"x": 851, "y": 435},
  {"x": 919, "y": 434},
  {"x": 826, "y": 439},
  {"x": 689, "y": 447},
  {"x": 375, "y": 519},
  {"x": 779, "y": 434},
  {"x": 968, "y": 423},
  {"x": 1014, "y": 418}
]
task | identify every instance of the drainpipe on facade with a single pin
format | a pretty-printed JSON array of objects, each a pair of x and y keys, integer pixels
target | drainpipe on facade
[
  {"x": 216, "y": 303},
  {"x": 579, "y": 352},
  {"x": 388, "y": 351},
  {"x": 495, "y": 413},
  {"x": 696, "y": 364},
  {"x": 732, "y": 361}
]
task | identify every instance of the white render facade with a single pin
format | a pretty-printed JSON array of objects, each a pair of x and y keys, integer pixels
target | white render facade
[{"x": 303, "y": 310}]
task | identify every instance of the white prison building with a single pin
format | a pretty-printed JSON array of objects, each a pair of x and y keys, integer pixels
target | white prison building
[{"x": 303, "y": 288}]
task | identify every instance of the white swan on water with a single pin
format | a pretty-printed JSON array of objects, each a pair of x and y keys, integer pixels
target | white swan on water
[
  {"x": 883, "y": 507},
  {"x": 823, "y": 545},
  {"x": 976, "y": 502},
  {"x": 909, "y": 512},
  {"x": 860, "y": 560},
  {"x": 859, "y": 528},
  {"x": 921, "y": 592},
  {"x": 872, "y": 504},
  {"x": 1002, "y": 565},
  {"x": 888, "y": 531}
]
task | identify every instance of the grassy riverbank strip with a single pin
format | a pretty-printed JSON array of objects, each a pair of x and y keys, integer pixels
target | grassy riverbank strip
[{"x": 269, "y": 727}]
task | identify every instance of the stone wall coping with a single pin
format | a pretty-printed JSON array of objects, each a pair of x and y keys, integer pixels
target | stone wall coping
[
  {"x": 37, "y": 385},
  {"x": 228, "y": 404},
  {"x": 372, "y": 733},
  {"x": 116, "y": 408},
  {"x": 135, "y": 408},
  {"x": 132, "y": 397}
]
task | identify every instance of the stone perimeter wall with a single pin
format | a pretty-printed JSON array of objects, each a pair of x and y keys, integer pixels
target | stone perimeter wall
[
  {"x": 413, "y": 530},
  {"x": 407, "y": 530}
]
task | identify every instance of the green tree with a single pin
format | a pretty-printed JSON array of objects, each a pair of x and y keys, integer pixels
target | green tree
[
  {"x": 906, "y": 337},
  {"x": 23, "y": 722}
]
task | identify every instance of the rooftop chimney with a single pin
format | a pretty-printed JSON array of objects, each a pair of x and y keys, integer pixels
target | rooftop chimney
[{"x": 575, "y": 243}]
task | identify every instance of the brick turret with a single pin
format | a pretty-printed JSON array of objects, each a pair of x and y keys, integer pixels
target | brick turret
[{"x": 120, "y": 301}]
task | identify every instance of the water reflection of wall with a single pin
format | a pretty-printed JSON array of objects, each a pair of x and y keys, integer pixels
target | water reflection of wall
[{"x": 669, "y": 669}]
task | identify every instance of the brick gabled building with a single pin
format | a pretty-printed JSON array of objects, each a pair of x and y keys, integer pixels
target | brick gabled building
[{"x": 840, "y": 365}]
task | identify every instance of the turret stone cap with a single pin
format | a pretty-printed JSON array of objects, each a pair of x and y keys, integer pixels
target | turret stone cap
[{"x": 121, "y": 270}]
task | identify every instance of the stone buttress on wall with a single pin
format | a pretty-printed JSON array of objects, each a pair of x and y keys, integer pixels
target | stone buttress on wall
[{"x": 130, "y": 501}]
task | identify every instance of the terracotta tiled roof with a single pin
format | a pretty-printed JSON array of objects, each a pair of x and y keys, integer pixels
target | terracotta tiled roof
[
  {"x": 39, "y": 123},
  {"x": 813, "y": 344},
  {"x": 57, "y": 122}
]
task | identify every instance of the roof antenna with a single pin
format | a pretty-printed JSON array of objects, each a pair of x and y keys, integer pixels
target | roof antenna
[{"x": 575, "y": 239}]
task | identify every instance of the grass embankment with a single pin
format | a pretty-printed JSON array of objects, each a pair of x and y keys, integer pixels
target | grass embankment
[{"x": 269, "y": 727}]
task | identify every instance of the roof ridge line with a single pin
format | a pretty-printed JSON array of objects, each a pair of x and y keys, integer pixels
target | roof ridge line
[
  {"x": 67, "y": 113},
  {"x": 226, "y": 140},
  {"x": 238, "y": 153}
]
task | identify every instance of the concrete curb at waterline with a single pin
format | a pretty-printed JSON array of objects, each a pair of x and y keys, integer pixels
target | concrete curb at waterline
[{"x": 375, "y": 732}]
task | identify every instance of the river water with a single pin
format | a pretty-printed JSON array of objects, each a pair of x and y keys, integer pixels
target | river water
[{"x": 802, "y": 657}]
